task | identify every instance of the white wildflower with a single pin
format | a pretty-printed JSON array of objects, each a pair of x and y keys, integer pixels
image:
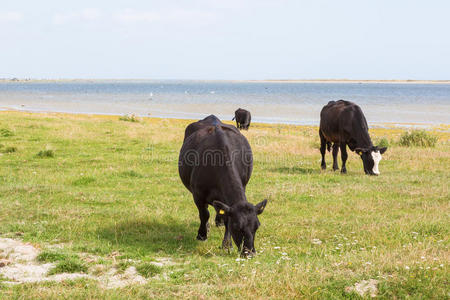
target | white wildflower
[{"x": 316, "y": 241}]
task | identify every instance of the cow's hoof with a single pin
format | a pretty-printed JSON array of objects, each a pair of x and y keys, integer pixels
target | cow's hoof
[
  {"x": 248, "y": 254},
  {"x": 227, "y": 245},
  {"x": 324, "y": 167},
  {"x": 344, "y": 171},
  {"x": 202, "y": 237}
]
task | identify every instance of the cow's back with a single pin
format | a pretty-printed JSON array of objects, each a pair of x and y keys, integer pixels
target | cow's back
[
  {"x": 193, "y": 127},
  {"x": 243, "y": 116},
  {"x": 341, "y": 120},
  {"x": 210, "y": 151}
]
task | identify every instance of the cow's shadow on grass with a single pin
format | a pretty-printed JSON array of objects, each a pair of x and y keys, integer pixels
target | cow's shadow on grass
[
  {"x": 151, "y": 236},
  {"x": 296, "y": 170}
]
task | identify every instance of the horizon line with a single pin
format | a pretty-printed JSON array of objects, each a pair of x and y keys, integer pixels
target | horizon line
[{"x": 281, "y": 80}]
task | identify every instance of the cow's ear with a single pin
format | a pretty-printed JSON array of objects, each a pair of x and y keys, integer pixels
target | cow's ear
[
  {"x": 360, "y": 151},
  {"x": 260, "y": 206},
  {"x": 221, "y": 208},
  {"x": 382, "y": 150}
]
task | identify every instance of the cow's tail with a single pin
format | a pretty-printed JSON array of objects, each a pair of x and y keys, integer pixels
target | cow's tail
[
  {"x": 233, "y": 118},
  {"x": 329, "y": 146}
]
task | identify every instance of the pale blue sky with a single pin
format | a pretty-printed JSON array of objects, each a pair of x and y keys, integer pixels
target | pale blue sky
[{"x": 226, "y": 39}]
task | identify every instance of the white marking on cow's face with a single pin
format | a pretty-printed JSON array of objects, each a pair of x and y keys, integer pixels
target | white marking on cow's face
[{"x": 376, "y": 159}]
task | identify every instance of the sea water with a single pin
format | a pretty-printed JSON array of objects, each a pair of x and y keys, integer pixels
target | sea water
[{"x": 270, "y": 102}]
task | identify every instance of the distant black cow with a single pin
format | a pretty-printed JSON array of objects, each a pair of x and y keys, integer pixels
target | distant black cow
[
  {"x": 243, "y": 118},
  {"x": 343, "y": 123},
  {"x": 215, "y": 165}
]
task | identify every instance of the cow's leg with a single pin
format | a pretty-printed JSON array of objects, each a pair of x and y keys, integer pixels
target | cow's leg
[
  {"x": 323, "y": 145},
  {"x": 344, "y": 157},
  {"x": 237, "y": 123},
  {"x": 247, "y": 122},
  {"x": 226, "y": 243},
  {"x": 203, "y": 213},
  {"x": 335, "y": 152}
]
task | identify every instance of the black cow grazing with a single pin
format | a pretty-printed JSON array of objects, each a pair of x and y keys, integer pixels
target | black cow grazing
[
  {"x": 243, "y": 118},
  {"x": 343, "y": 123},
  {"x": 215, "y": 165}
]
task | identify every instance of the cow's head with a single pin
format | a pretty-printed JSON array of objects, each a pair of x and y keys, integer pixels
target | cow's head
[
  {"x": 242, "y": 223},
  {"x": 371, "y": 158}
]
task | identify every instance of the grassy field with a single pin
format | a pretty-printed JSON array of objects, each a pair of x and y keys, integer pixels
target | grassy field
[{"x": 106, "y": 188}]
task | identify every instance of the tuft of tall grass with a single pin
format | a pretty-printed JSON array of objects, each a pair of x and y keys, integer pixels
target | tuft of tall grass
[
  {"x": 147, "y": 269},
  {"x": 383, "y": 142},
  {"x": 4, "y": 132},
  {"x": 10, "y": 149},
  {"x": 51, "y": 256},
  {"x": 70, "y": 265},
  {"x": 129, "y": 118},
  {"x": 45, "y": 154},
  {"x": 418, "y": 138},
  {"x": 85, "y": 180},
  {"x": 131, "y": 173},
  {"x": 122, "y": 266},
  {"x": 65, "y": 263}
]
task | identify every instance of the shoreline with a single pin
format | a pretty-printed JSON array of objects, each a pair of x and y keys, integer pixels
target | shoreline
[
  {"x": 374, "y": 125},
  {"x": 337, "y": 81},
  {"x": 353, "y": 81}
]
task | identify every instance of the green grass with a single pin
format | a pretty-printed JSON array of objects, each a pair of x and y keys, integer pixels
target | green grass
[
  {"x": 418, "y": 138},
  {"x": 45, "y": 154},
  {"x": 65, "y": 263},
  {"x": 69, "y": 265},
  {"x": 51, "y": 256},
  {"x": 129, "y": 118},
  {"x": 4, "y": 132},
  {"x": 10, "y": 149},
  {"x": 123, "y": 265},
  {"x": 113, "y": 191},
  {"x": 382, "y": 142},
  {"x": 147, "y": 269},
  {"x": 85, "y": 180}
]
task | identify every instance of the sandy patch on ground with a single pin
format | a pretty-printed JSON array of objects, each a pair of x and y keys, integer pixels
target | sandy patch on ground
[
  {"x": 18, "y": 265},
  {"x": 112, "y": 279},
  {"x": 364, "y": 287}
]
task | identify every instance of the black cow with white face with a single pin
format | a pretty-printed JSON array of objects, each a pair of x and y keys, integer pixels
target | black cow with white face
[
  {"x": 215, "y": 165},
  {"x": 343, "y": 123}
]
